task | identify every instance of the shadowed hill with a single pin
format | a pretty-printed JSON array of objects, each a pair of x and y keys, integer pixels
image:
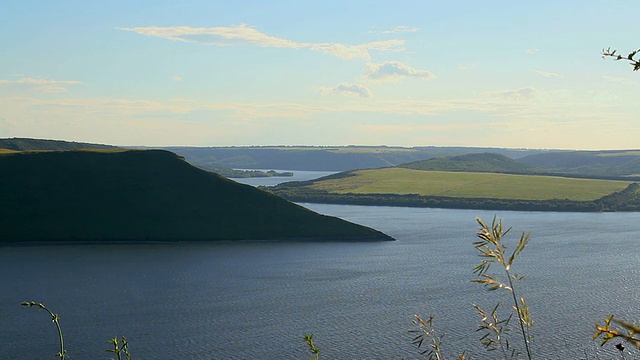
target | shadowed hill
[
  {"x": 27, "y": 144},
  {"x": 482, "y": 162},
  {"x": 146, "y": 195}
]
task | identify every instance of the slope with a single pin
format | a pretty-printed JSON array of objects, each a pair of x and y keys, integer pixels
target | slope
[
  {"x": 28, "y": 144},
  {"x": 146, "y": 195},
  {"x": 478, "y": 162},
  {"x": 601, "y": 163}
]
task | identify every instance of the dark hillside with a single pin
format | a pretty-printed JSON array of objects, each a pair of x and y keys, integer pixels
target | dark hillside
[
  {"x": 26, "y": 144},
  {"x": 482, "y": 162},
  {"x": 146, "y": 195}
]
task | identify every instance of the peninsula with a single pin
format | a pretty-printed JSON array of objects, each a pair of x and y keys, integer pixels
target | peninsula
[{"x": 117, "y": 195}]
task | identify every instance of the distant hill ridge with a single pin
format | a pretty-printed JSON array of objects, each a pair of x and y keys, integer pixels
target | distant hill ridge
[
  {"x": 146, "y": 195},
  {"x": 27, "y": 144},
  {"x": 480, "y": 162},
  {"x": 312, "y": 158},
  {"x": 609, "y": 163}
]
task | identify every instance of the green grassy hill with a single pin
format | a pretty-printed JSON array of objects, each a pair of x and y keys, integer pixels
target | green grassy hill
[
  {"x": 468, "y": 185},
  {"x": 146, "y": 195},
  {"x": 480, "y": 162},
  {"x": 465, "y": 190}
]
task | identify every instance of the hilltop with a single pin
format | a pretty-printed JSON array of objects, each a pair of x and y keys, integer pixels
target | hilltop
[
  {"x": 27, "y": 144},
  {"x": 324, "y": 158},
  {"x": 478, "y": 162},
  {"x": 150, "y": 195},
  {"x": 595, "y": 163}
]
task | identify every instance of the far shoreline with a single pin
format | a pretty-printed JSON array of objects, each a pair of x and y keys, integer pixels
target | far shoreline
[{"x": 334, "y": 239}]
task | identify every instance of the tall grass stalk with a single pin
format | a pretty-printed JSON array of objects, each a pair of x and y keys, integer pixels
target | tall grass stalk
[
  {"x": 492, "y": 250},
  {"x": 426, "y": 331},
  {"x": 62, "y": 354},
  {"x": 312, "y": 346}
]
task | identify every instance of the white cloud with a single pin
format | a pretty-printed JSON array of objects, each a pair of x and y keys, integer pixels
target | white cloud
[
  {"x": 41, "y": 85},
  {"x": 547, "y": 74},
  {"x": 619, "y": 80},
  {"x": 396, "y": 30},
  {"x": 176, "y": 78},
  {"x": 465, "y": 67},
  {"x": 532, "y": 50},
  {"x": 525, "y": 93},
  {"x": 350, "y": 89},
  {"x": 394, "y": 71},
  {"x": 247, "y": 35}
]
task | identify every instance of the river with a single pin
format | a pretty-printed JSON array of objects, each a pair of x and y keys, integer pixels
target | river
[{"x": 256, "y": 300}]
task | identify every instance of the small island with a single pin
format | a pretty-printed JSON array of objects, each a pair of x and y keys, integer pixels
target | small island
[{"x": 243, "y": 174}]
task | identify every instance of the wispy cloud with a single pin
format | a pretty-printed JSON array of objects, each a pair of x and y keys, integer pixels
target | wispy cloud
[
  {"x": 465, "y": 67},
  {"x": 41, "y": 85},
  {"x": 247, "y": 35},
  {"x": 349, "y": 89},
  {"x": 394, "y": 71},
  {"x": 619, "y": 80},
  {"x": 547, "y": 74},
  {"x": 176, "y": 78},
  {"x": 532, "y": 50},
  {"x": 525, "y": 93},
  {"x": 396, "y": 30}
]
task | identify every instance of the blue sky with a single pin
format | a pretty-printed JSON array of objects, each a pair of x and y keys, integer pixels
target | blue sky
[{"x": 409, "y": 73}]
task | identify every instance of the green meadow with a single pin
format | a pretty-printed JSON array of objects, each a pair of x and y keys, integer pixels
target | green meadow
[{"x": 469, "y": 185}]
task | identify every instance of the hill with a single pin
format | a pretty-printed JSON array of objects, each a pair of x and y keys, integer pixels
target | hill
[
  {"x": 27, "y": 144},
  {"x": 313, "y": 158},
  {"x": 466, "y": 190},
  {"x": 149, "y": 195},
  {"x": 601, "y": 163},
  {"x": 478, "y": 162}
]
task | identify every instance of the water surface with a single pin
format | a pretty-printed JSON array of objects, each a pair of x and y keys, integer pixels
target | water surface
[{"x": 258, "y": 299}]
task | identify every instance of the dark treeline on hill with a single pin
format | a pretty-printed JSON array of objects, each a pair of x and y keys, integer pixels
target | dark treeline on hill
[
  {"x": 625, "y": 200},
  {"x": 588, "y": 163},
  {"x": 26, "y": 144},
  {"x": 480, "y": 162},
  {"x": 150, "y": 195},
  {"x": 615, "y": 167}
]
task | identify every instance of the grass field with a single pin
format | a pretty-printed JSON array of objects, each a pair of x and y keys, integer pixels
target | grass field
[{"x": 470, "y": 185}]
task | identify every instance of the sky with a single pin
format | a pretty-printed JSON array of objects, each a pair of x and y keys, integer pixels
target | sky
[{"x": 509, "y": 74}]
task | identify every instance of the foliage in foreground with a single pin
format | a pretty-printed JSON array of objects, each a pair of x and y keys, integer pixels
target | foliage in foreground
[
  {"x": 494, "y": 327},
  {"x": 120, "y": 346},
  {"x": 629, "y": 57}
]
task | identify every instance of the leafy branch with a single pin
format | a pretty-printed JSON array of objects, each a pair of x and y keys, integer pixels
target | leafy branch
[
  {"x": 630, "y": 57},
  {"x": 631, "y": 333}
]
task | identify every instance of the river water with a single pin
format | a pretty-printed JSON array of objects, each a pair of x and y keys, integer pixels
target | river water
[{"x": 257, "y": 300}]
